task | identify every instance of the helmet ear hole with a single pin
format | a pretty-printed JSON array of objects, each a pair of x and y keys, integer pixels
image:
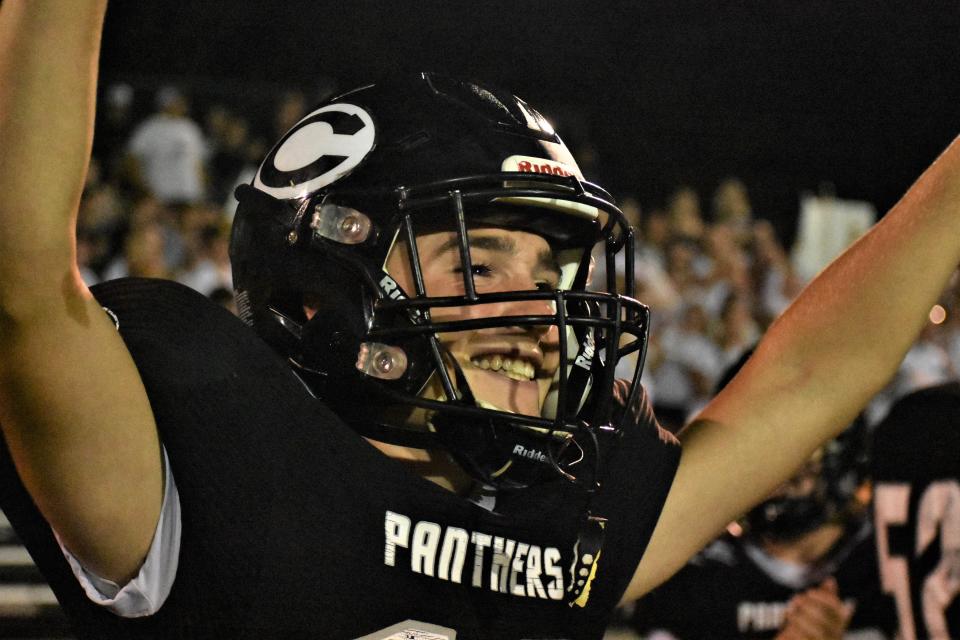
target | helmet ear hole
[
  {"x": 332, "y": 334},
  {"x": 328, "y": 344}
]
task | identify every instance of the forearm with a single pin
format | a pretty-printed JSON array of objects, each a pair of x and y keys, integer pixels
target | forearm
[
  {"x": 48, "y": 63},
  {"x": 845, "y": 335}
]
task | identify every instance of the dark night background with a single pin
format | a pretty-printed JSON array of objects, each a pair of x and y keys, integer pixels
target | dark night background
[{"x": 784, "y": 94}]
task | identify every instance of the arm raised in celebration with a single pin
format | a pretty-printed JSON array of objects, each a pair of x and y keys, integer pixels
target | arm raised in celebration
[
  {"x": 818, "y": 365},
  {"x": 72, "y": 407}
]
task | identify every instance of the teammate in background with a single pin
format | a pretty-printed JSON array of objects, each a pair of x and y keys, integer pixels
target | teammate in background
[
  {"x": 801, "y": 564},
  {"x": 417, "y": 253},
  {"x": 916, "y": 471}
]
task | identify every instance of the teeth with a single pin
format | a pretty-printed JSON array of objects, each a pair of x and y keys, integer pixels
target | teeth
[{"x": 515, "y": 369}]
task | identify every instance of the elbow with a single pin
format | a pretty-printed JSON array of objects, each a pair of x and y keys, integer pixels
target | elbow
[{"x": 27, "y": 296}]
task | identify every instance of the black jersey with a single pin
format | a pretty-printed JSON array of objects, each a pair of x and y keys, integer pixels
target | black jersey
[
  {"x": 293, "y": 526},
  {"x": 916, "y": 467},
  {"x": 733, "y": 589}
]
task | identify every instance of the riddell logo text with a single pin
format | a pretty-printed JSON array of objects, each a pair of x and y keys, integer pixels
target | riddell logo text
[
  {"x": 532, "y": 454},
  {"x": 526, "y": 166},
  {"x": 479, "y": 559},
  {"x": 391, "y": 288},
  {"x": 587, "y": 349}
]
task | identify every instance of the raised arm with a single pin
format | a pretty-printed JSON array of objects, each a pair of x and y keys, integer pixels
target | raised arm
[
  {"x": 72, "y": 407},
  {"x": 818, "y": 365}
]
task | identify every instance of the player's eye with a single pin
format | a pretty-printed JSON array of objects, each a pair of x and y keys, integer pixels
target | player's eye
[
  {"x": 544, "y": 285},
  {"x": 478, "y": 269}
]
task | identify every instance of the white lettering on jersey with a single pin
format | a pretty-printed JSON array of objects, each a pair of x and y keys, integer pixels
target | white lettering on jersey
[
  {"x": 760, "y": 616},
  {"x": 396, "y": 532},
  {"x": 534, "y": 570},
  {"x": 517, "y": 568},
  {"x": 512, "y": 567},
  {"x": 453, "y": 554},
  {"x": 551, "y": 567},
  {"x": 767, "y": 616},
  {"x": 500, "y": 567},
  {"x": 426, "y": 541}
]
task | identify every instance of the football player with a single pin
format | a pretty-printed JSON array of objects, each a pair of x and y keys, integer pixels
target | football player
[
  {"x": 422, "y": 433},
  {"x": 800, "y": 564},
  {"x": 916, "y": 468}
]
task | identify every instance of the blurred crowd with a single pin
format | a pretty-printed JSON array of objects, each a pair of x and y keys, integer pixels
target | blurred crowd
[
  {"x": 715, "y": 277},
  {"x": 158, "y": 202}
]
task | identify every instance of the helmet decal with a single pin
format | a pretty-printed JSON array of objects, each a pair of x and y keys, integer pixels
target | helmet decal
[
  {"x": 324, "y": 146},
  {"x": 550, "y": 167},
  {"x": 529, "y": 164}
]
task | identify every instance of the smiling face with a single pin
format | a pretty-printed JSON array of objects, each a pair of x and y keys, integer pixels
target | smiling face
[{"x": 510, "y": 368}]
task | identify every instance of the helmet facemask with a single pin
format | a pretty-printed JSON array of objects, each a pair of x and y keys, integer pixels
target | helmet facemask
[{"x": 403, "y": 357}]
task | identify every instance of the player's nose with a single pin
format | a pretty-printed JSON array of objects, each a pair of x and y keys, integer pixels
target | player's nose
[{"x": 544, "y": 307}]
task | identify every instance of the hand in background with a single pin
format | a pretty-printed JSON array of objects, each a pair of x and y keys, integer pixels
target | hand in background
[{"x": 816, "y": 614}]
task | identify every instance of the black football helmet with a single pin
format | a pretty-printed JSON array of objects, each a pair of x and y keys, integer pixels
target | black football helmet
[
  {"x": 823, "y": 491},
  {"x": 380, "y": 165}
]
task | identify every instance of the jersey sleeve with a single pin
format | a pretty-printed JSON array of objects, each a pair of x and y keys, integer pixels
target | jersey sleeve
[{"x": 148, "y": 590}]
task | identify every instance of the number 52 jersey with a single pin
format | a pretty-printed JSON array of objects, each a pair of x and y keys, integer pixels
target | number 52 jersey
[{"x": 917, "y": 510}]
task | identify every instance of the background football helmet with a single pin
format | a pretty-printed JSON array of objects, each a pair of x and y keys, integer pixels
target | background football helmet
[
  {"x": 822, "y": 491},
  {"x": 377, "y": 166}
]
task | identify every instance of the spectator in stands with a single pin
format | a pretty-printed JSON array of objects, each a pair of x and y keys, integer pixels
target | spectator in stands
[
  {"x": 683, "y": 254},
  {"x": 215, "y": 120},
  {"x": 732, "y": 209},
  {"x": 209, "y": 268},
  {"x": 166, "y": 154},
  {"x": 774, "y": 279},
  {"x": 291, "y": 107},
  {"x": 729, "y": 269},
  {"x": 949, "y": 329},
  {"x": 229, "y": 157},
  {"x": 927, "y": 364},
  {"x": 686, "y": 218},
  {"x": 688, "y": 368},
  {"x": 100, "y": 221},
  {"x": 736, "y": 331},
  {"x": 115, "y": 121},
  {"x": 654, "y": 236},
  {"x": 143, "y": 254}
]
